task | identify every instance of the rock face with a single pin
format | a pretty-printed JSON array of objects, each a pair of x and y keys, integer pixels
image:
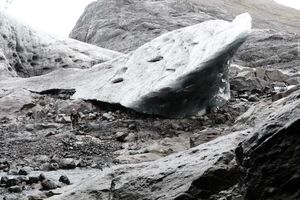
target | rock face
[
  {"x": 179, "y": 74},
  {"x": 217, "y": 168},
  {"x": 124, "y": 25},
  {"x": 26, "y": 52}
]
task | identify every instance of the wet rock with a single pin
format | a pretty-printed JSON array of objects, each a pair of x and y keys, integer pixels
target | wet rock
[
  {"x": 15, "y": 189},
  {"x": 64, "y": 179},
  {"x": 48, "y": 184}
]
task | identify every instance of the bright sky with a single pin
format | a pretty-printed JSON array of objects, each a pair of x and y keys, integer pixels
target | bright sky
[
  {"x": 58, "y": 17},
  {"x": 290, "y": 3}
]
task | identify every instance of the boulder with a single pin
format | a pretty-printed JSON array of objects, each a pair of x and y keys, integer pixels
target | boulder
[
  {"x": 12, "y": 101},
  {"x": 26, "y": 52},
  {"x": 270, "y": 157},
  {"x": 179, "y": 74}
]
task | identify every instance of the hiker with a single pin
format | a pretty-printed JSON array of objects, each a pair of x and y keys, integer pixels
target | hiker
[{"x": 75, "y": 116}]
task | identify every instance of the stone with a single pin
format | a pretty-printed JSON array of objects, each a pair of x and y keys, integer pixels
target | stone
[
  {"x": 42, "y": 177},
  {"x": 31, "y": 53},
  {"x": 50, "y": 166},
  {"x": 67, "y": 163},
  {"x": 48, "y": 184},
  {"x": 12, "y": 181},
  {"x": 132, "y": 126},
  {"x": 120, "y": 136},
  {"x": 64, "y": 179},
  {"x": 253, "y": 98},
  {"x": 15, "y": 189},
  {"x": 131, "y": 137},
  {"x": 33, "y": 180},
  {"x": 108, "y": 116},
  {"x": 4, "y": 180},
  {"x": 23, "y": 179},
  {"x": 4, "y": 165},
  {"x": 169, "y": 87},
  {"x": 25, "y": 171}
]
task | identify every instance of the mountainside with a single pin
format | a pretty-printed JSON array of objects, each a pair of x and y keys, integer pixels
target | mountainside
[{"x": 124, "y": 25}]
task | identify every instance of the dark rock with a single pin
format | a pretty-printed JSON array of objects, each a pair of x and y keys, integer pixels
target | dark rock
[
  {"x": 48, "y": 184},
  {"x": 15, "y": 189},
  {"x": 12, "y": 182},
  {"x": 65, "y": 180},
  {"x": 34, "y": 180},
  {"x": 253, "y": 98},
  {"x": 271, "y": 157},
  {"x": 131, "y": 137},
  {"x": 4, "y": 165},
  {"x": 50, "y": 166},
  {"x": 120, "y": 136},
  {"x": 132, "y": 126},
  {"x": 42, "y": 177},
  {"x": 24, "y": 171},
  {"x": 67, "y": 163},
  {"x": 4, "y": 179},
  {"x": 23, "y": 179}
]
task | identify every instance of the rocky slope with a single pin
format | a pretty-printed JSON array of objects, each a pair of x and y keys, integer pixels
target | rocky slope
[
  {"x": 127, "y": 24},
  {"x": 270, "y": 147}
]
